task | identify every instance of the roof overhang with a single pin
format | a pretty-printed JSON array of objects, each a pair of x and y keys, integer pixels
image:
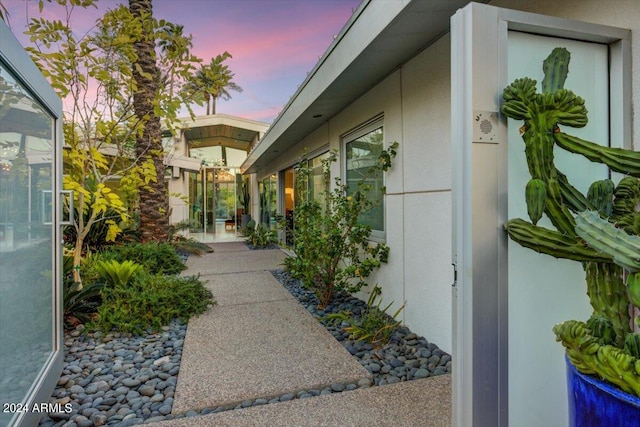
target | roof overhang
[
  {"x": 221, "y": 129},
  {"x": 379, "y": 38}
]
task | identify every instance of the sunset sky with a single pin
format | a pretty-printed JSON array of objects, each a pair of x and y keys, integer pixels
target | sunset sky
[{"x": 274, "y": 43}]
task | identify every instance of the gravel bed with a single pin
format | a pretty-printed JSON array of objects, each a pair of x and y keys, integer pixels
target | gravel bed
[
  {"x": 407, "y": 356},
  {"x": 123, "y": 380},
  {"x": 117, "y": 379}
]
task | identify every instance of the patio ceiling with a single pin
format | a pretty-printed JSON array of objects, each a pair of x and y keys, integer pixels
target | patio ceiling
[
  {"x": 227, "y": 136},
  {"x": 220, "y": 129},
  {"x": 379, "y": 38}
]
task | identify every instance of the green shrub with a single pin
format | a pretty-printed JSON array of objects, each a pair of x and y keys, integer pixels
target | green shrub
[
  {"x": 332, "y": 249},
  {"x": 156, "y": 258},
  {"x": 151, "y": 301},
  {"x": 374, "y": 326}
]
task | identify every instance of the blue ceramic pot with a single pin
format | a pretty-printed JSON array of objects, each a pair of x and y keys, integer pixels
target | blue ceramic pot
[{"x": 595, "y": 403}]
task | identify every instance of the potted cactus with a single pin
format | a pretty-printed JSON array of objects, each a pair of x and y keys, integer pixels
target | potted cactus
[{"x": 598, "y": 229}]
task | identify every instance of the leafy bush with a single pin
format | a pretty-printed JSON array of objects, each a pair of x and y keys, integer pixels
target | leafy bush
[
  {"x": 151, "y": 301},
  {"x": 374, "y": 324},
  {"x": 156, "y": 258},
  {"x": 333, "y": 251},
  {"x": 260, "y": 237}
]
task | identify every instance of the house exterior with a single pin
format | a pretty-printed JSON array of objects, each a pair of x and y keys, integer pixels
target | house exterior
[{"x": 423, "y": 73}]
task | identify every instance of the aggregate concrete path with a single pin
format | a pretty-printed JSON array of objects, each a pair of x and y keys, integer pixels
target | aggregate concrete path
[
  {"x": 417, "y": 403},
  {"x": 258, "y": 341}
]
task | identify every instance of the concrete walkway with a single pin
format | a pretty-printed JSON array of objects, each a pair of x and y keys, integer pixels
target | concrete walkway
[{"x": 259, "y": 342}]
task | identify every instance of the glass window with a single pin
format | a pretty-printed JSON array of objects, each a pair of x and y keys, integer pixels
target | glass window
[
  {"x": 363, "y": 147},
  {"x": 26, "y": 247}
]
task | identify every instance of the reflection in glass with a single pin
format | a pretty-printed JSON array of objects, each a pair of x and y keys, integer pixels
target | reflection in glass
[
  {"x": 26, "y": 259},
  {"x": 362, "y": 153}
]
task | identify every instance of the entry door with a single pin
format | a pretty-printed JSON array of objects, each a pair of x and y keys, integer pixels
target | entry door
[
  {"x": 508, "y": 370},
  {"x": 220, "y": 198},
  {"x": 30, "y": 248}
]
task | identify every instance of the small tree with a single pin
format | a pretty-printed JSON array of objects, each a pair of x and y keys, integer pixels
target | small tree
[
  {"x": 94, "y": 77},
  {"x": 333, "y": 251}
]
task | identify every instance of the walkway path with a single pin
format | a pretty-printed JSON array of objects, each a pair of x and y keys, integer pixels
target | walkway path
[{"x": 259, "y": 342}]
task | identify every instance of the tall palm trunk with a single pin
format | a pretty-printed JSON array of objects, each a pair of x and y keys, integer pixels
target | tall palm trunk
[{"x": 153, "y": 201}]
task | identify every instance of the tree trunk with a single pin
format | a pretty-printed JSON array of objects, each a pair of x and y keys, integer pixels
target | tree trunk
[{"x": 153, "y": 201}]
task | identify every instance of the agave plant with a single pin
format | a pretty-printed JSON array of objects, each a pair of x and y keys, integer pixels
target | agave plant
[{"x": 592, "y": 229}]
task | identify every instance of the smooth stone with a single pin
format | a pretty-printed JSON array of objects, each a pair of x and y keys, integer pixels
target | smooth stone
[
  {"x": 337, "y": 387},
  {"x": 286, "y": 397},
  {"x": 421, "y": 373},
  {"x": 146, "y": 390}
]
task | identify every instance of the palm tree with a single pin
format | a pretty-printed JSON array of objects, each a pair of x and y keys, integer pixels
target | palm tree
[
  {"x": 214, "y": 81},
  {"x": 154, "y": 220}
]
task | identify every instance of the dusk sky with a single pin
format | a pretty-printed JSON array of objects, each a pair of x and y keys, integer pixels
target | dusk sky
[{"x": 274, "y": 43}]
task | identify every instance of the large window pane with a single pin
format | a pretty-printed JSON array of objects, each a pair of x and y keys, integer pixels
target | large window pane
[
  {"x": 26, "y": 259},
  {"x": 362, "y": 152}
]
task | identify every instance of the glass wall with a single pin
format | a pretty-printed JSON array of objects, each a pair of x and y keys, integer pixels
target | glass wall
[
  {"x": 213, "y": 200},
  {"x": 28, "y": 293}
]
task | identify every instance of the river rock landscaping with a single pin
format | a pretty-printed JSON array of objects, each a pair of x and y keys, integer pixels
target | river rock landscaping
[{"x": 120, "y": 379}]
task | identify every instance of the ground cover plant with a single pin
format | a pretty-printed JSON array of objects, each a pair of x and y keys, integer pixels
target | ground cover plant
[
  {"x": 132, "y": 288},
  {"x": 150, "y": 301},
  {"x": 332, "y": 248}
]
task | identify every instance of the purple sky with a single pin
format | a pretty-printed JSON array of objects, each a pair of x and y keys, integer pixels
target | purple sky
[{"x": 274, "y": 43}]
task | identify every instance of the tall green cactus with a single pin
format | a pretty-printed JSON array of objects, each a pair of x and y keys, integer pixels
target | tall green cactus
[{"x": 543, "y": 113}]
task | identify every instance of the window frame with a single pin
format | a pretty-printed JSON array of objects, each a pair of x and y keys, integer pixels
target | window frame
[{"x": 375, "y": 123}]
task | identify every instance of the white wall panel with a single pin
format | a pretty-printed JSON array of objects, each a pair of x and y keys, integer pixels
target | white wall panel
[
  {"x": 428, "y": 270},
  {"x": 426, "y": 108}
]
